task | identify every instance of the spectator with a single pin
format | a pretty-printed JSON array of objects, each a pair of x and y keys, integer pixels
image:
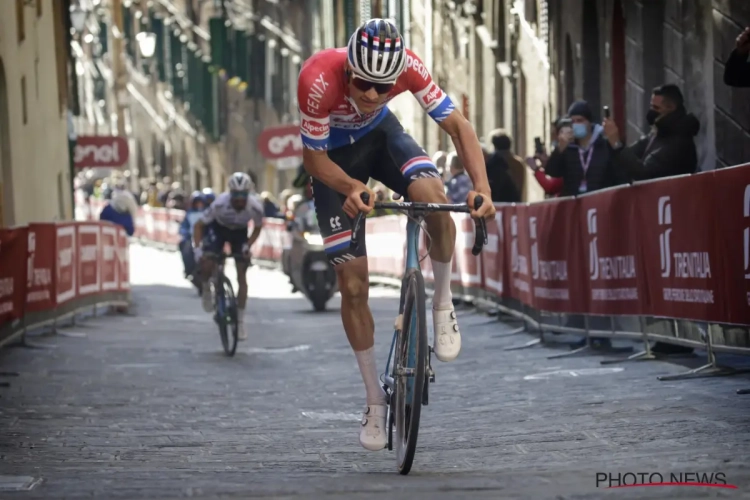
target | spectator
[
  {"x": 459, "y": 185},
  {"x": 150, "y": 196},
  {"x": 284, "y": 198},
  {"x": 737, "y": 69},
  {"x": 121, "y": 210},
  {"x": 176, "y": 197},
  {"x": 583, "y": 158},
  {"x": 505, "y": 171},
  {"x": 552, "y": 185},
  {"x": 669, "y": 149}
]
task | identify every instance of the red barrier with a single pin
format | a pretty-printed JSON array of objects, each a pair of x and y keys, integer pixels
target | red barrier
[
  {"x": 53, "y": 269},
  {"x": 670, "y": 248}
]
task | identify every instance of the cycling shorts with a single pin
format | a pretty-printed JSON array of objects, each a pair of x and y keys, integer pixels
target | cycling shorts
[
  {"x": 215, "y": 236},
  {"x": 387, "y": 154}
]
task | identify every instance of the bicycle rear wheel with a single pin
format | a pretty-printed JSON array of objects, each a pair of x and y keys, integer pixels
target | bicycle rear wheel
[
  {"x": 409, "y": 367},
  {"x": 226, "y": 315}
]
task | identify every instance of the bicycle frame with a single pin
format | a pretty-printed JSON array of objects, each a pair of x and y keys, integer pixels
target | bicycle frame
[{"x": 412, "y": 262}]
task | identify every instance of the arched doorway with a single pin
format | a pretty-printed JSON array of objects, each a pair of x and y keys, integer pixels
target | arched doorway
[
  {"x": 570, "y": 76},
  {"x": 7, "y": 213},
  {"x": 591, "y": 57},
  {"x": 619, "y": 69}
]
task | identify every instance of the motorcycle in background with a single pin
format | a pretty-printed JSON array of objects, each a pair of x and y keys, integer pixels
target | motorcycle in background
[{"x": 309, "y": 269}]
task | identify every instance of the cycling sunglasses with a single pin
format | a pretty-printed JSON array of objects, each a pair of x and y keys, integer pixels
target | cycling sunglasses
[
  {"x": 365, "y": 85},
  {"x": 239, "y": 195}
]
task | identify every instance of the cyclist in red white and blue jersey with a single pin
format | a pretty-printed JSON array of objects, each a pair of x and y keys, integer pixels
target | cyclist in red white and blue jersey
[{"x": 349, "y": 136}]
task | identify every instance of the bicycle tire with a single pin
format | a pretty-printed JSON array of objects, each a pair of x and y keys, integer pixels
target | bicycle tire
[
  {"x": 229, "y": 335},
  {"x": 411, "y": 352}
]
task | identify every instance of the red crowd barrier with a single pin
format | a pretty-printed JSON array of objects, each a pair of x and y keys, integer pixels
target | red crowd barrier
[
  {"x": 50, "y": 270},
  {"x": 673, "y": 248}
]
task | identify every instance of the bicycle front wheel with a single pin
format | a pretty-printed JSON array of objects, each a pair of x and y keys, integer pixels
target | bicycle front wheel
[
  {"x": 409, "y": 367},
  {"x": 226, "y": 311}
]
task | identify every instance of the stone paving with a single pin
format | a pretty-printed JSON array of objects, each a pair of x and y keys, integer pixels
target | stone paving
[{"x": 147, "y": 406}]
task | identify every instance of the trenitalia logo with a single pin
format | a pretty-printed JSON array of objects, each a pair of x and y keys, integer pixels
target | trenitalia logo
[
  {"x": 612, "y": 480},
  {"x": 665, "y": 219}
]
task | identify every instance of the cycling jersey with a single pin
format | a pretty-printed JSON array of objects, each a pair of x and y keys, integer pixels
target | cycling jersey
[
  {"x": 222, "y": 212},
  {"x": 330, "y": 118}
]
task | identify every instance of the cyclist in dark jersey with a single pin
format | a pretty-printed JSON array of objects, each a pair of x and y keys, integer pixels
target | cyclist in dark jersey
[{"x": 349, "y": 135}]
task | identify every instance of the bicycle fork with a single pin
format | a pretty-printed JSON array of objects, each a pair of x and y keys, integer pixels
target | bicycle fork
[{"x": 401, "y": 371}]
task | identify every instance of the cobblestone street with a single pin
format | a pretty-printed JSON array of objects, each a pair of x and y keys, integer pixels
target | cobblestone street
[{"x": 148, "y": 406}]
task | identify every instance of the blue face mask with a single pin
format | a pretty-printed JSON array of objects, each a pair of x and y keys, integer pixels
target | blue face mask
[{"x": 580, "y": 130}]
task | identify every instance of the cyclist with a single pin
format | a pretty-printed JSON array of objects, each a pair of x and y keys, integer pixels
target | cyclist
[
  {"x": 349, "y": 136},
  {"x": 226, "y": 221}
]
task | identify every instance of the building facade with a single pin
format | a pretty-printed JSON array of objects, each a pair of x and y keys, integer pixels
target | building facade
[{"x": 34, "y": 154}]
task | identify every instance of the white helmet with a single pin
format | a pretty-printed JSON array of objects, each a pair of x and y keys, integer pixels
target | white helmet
[
  {"x": 377, "y": 52},
  {"x": 240, "y": 181}
]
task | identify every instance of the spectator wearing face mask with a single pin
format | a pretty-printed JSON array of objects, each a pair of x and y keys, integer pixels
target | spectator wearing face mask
[
  {"x": 737, "y": 69},
  {"x": 669, "y": 149},
  {"x": 583, "y": 157},
  {"x": 458, "y": 187}
]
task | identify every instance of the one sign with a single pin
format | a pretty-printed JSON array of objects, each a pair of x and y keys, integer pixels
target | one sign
[
  {"x": 100, "y": 151},
  {"x": 280, "y": 142}
]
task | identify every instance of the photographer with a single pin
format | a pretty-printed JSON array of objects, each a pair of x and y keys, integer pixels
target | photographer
[{"x": 737, "y": 70}]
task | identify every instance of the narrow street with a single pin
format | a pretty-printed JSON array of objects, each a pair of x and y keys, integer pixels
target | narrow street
[{"x": 148, "y": 406}]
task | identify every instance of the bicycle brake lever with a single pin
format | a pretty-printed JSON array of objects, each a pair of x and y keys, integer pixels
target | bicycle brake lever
[{"x": 354, "y": 243}]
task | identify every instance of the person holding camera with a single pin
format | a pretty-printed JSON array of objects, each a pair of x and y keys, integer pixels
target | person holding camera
[{"x": 583, "y": 157}]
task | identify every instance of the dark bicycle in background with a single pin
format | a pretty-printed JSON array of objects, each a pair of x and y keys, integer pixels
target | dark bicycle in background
[{"x": 225, "y": 306}]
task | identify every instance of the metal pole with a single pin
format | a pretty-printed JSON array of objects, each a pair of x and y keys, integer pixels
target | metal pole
[{"x": 118, "y": 72}]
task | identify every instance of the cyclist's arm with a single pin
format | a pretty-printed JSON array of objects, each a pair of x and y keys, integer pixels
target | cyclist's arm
[
  {"x": 320, "y": 166},
  {"x": 257, "y": 223},
  {"x": 208, "y": 217},
  {"x": 468, "y": 149},
  {"x": 441, "y": 109},
  {"x": 314, "y": 100}
]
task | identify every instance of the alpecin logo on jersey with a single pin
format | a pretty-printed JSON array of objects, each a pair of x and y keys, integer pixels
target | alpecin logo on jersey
[
  {"x": 417, "y": 65},
  {"x": 434, "y": 94},
  {"x": 314, "y": 129}
]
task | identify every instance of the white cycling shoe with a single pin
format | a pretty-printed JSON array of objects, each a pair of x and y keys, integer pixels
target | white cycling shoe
[
  {"x": 372, "y": 436},
  {"x": 447, "y": 336},
  {"x": 207, "y": 299}
]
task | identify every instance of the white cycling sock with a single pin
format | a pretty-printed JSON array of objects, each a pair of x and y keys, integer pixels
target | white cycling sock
[
  {"x": 366, "y": 362},
  {"x": 442, "y": 297},
  {"x": 240, "y": 315}
]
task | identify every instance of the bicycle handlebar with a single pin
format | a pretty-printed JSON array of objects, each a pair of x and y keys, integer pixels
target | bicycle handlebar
[{"x": 480, "y": 225}]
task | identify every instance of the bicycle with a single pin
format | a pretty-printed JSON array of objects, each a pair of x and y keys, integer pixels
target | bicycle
[
  {"x": 225, "y": 306},
  {"x": 409, "y": 349}
]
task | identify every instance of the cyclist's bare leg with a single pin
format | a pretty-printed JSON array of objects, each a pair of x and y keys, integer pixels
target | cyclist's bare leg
[
  {"x": 241, "y": 296},
  {"x": 442, "y": 232},
  {"x": 354, "y": 285},
  {"x": 447, "y": 337}
]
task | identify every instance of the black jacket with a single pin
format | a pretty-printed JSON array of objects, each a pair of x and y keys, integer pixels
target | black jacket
[
  {"x": 602, "y": 172},
  {"x": 501, "y": 183},
  {"x": 737, "y": 70},
  {"x": 670, "y": 150}
]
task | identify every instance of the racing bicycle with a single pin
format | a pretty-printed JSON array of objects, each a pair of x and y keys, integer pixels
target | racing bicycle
[
  {"x": 225, "y": 306},
  {"x": 408, "y": 371}
]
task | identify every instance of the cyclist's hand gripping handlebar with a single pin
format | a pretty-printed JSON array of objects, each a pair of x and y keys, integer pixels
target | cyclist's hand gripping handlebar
[
  {"x": 354, "y": 243},
  {"x": 480, "y": 236}
]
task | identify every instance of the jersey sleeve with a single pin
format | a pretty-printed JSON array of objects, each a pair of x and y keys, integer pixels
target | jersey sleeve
[
  {"x": 432, "y": 98},
  {"x": 314, "y": 96},
  {"x": 257, "y": 212}
]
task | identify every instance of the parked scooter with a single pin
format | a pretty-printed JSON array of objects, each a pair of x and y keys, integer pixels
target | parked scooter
[{"x": 309, "y": 269}]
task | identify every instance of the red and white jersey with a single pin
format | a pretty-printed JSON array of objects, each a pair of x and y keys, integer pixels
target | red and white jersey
[{"x": 330, "y": 118}]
